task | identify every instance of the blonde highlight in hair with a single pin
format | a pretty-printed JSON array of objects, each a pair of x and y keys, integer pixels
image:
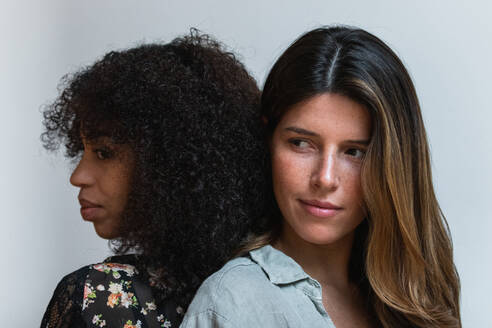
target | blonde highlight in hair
[
  {"x": 402, "y": 257},
  {"x": 407, "y": 228}
]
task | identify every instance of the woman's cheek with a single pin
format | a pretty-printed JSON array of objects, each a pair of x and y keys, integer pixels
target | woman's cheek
[
  {"x": 352, "y": 184},
  {"x": 290, "y": 170}
]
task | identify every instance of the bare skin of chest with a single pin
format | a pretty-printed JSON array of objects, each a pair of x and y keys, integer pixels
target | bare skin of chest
[{"x": 345, "y": 309}]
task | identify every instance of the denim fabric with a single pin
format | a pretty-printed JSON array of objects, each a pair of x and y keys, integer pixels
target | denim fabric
[{"x": 266, "y": 289}]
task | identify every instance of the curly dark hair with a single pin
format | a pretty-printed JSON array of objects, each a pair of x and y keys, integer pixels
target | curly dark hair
[{"x": 189, "y": 111}]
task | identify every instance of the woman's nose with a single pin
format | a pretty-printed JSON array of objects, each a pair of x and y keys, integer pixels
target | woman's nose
[
  {"x": 325, "y": 175},
  {"x": 82, "y": 176}
]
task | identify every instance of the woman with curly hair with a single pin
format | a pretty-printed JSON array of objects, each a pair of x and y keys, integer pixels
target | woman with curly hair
[
  {"x": 171, "y": 165},
  {"x": 358, "y": 238}
]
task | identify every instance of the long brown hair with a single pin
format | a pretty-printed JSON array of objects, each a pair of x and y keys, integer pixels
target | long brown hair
[{"x": 402, "y": 257}]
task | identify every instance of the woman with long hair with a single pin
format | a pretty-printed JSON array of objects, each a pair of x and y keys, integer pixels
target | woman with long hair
[
  {"x": 170, "y": 165},
  {"x": 355, "y": 237}
]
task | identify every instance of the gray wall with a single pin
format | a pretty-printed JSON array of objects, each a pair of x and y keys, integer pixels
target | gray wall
[{"x": 446, "y": 46}]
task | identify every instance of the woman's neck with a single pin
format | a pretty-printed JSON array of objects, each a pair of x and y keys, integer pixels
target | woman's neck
[{"x": 328, "y": 264}]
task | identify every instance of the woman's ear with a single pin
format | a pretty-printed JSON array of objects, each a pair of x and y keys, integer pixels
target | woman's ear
[{"x": 264, "y": 120}]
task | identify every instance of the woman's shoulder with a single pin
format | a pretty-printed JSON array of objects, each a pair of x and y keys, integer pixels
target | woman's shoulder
[
  {"x": 65, "y": 306},
  {"x": 116, "y": 292},
  {"x": 74, "y": 281},
  {"x": 235, "y": 285},
  {"x": 235, "y": 275},
  {"x": 103, "y": 294},
  {"x": 106, "y": 294},
  {"x": 72, "y": 285}
]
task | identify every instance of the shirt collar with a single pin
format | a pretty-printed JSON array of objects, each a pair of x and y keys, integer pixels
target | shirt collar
[{"x": 280, "y": 268}]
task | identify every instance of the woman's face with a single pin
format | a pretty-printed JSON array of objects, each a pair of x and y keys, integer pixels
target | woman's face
[
  {"x": 317, "y": 150},
  {"x": 103, "y": 176}
]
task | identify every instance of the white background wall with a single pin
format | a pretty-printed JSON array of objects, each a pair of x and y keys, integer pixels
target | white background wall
[{"x": 446, "y": 45}]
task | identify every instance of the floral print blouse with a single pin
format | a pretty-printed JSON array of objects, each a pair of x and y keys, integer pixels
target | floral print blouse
[{"x": 109, "y": 294}]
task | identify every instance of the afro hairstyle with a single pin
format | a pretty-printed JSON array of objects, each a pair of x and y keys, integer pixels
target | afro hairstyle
[{"x": 190, "y": 113}]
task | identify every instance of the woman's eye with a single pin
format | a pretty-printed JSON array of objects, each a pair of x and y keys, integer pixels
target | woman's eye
[
  {"x": 354, "y": 152},
  {"x": 103, "y": 154},
  {"x": 299, "y": 143}
]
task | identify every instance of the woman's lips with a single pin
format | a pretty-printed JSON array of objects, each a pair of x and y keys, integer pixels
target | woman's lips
[
  {"x": 320, "y": 208},
  {"x": 89, "y": 210},
  {"x": 89, "y": 213}
]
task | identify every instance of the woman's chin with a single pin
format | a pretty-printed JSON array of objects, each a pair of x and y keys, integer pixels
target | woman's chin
[
  {"x": 325, "y": 237},
  {"x": 105, "y": 232}
]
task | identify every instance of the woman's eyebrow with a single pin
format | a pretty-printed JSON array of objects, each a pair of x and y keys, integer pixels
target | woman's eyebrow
[
  {"x": 301, "y": 131},
  {"x": 364, "y": 142}
]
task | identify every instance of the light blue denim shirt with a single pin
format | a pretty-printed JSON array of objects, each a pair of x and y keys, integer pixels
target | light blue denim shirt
[{"x": 267, "y": 289}]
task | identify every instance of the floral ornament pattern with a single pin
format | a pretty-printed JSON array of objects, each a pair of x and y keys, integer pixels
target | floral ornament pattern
[
  {"x": 114, "y": 269},
  {"x": 119, "y": 295},
  {"x": 89, "y": 295},
  {"x": 129, "y": 324},
  {"x": 110, "y": 286},
  {"x": 98, "y": 321},
  {"x": 163, "y": 321},
  {"x": 111, "y": 294}
]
